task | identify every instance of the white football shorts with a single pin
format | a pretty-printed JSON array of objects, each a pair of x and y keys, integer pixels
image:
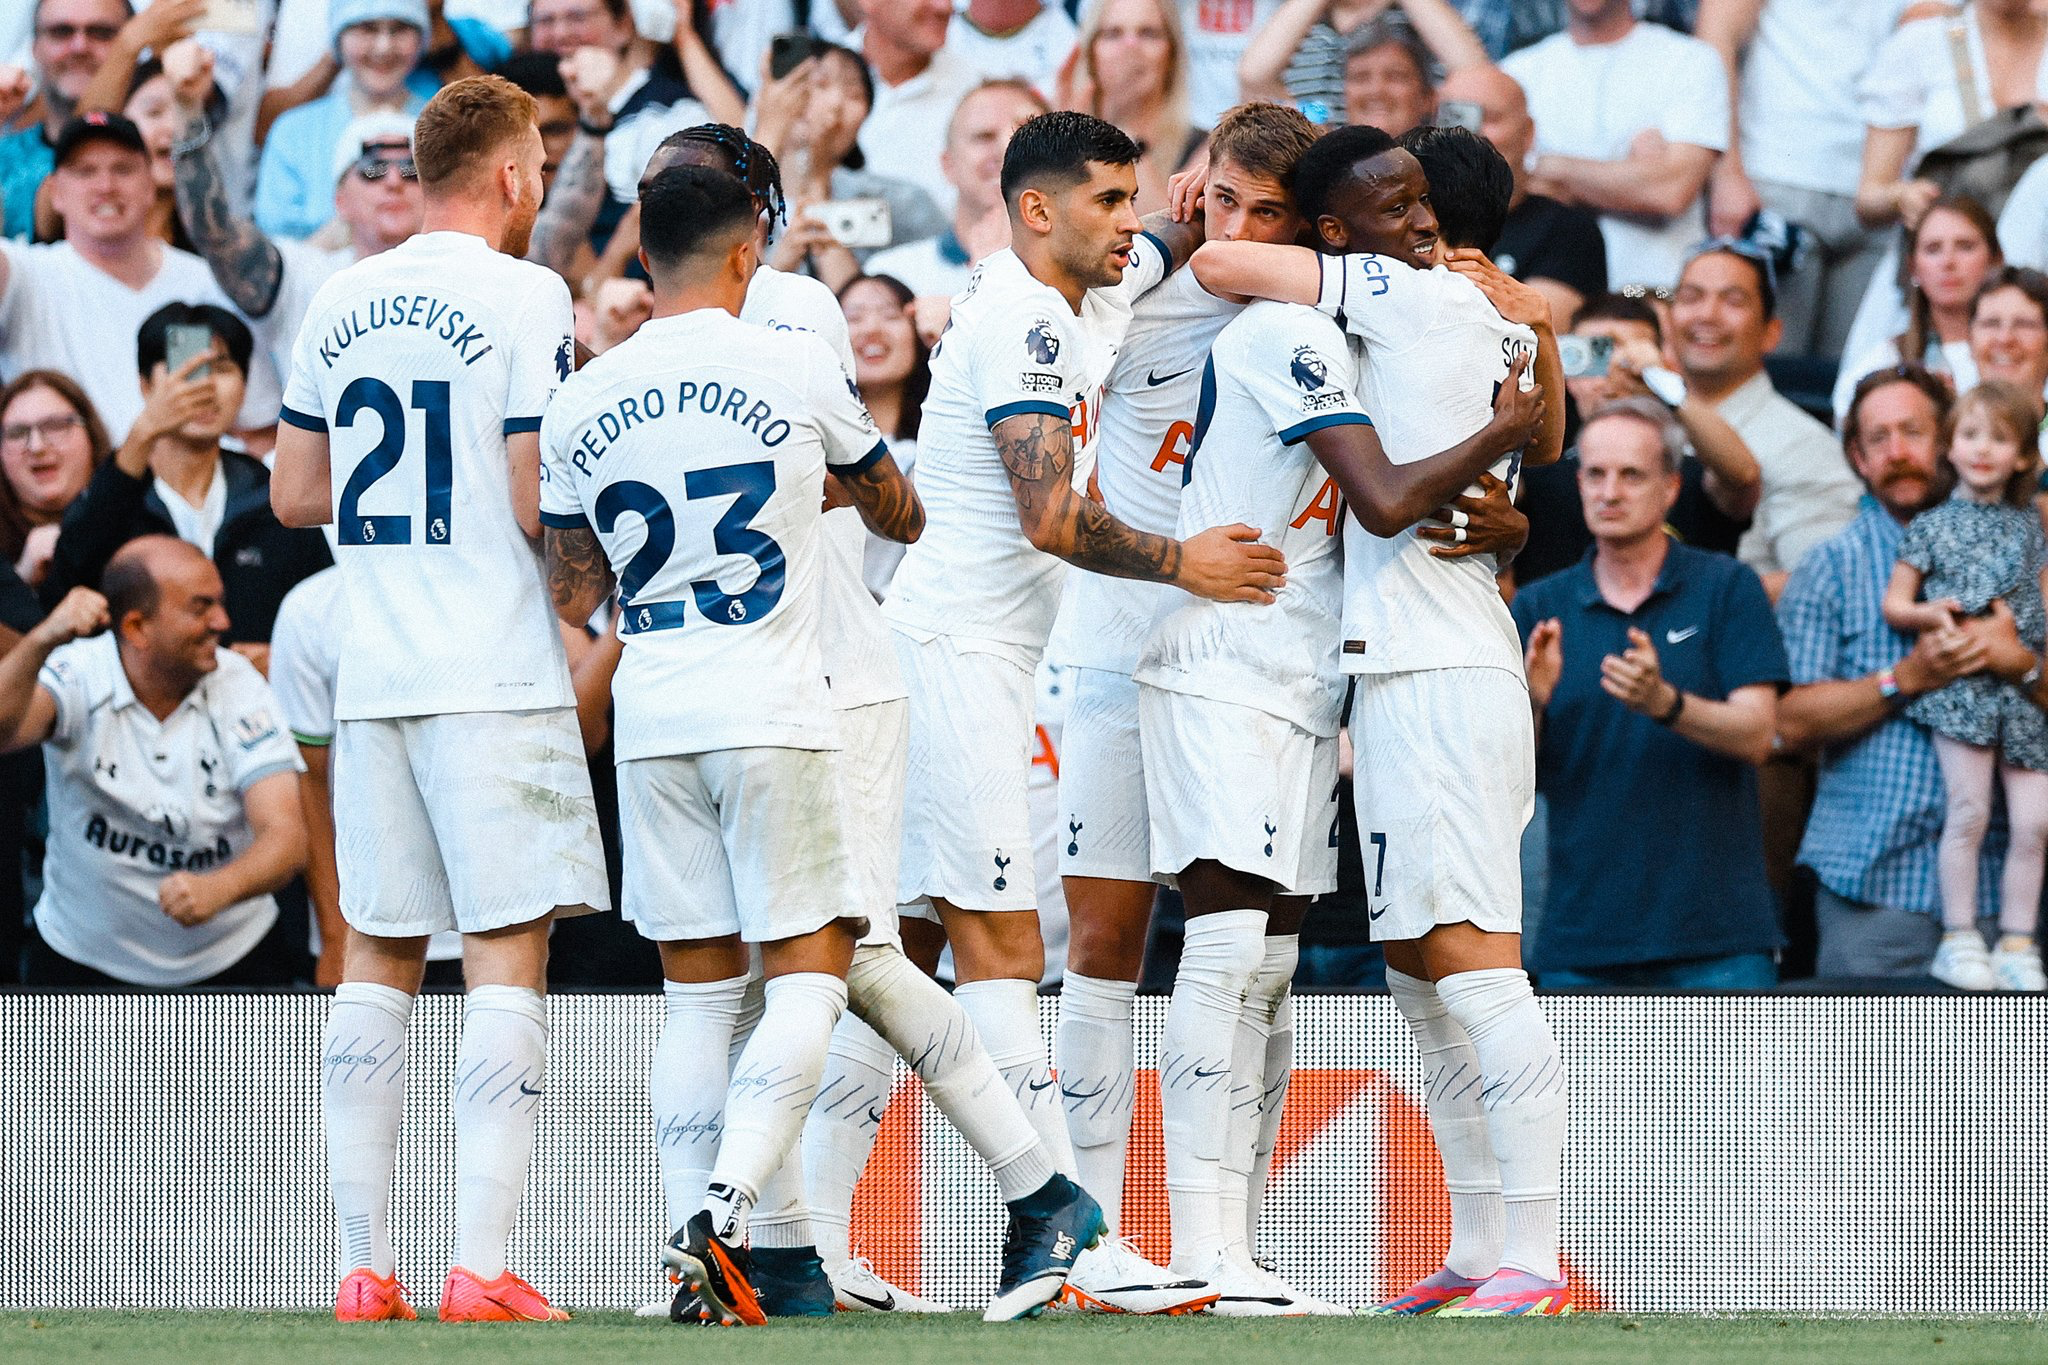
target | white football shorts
[
  {"x": 1445, "y": 778},
  {"x": 473, "y": 820},
  {"x": 1235, "y": 785},
  {"x": 1102, "y": 830},
  {"x": 734, "y": 841},
  {"x": 966, "y": 807},
  {"x": 871, "y": 799}
]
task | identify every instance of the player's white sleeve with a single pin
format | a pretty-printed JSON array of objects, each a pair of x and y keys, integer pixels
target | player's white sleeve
[
  {"x": 1150, "y": 264},
  {"x": 1378, "y": 299},
  {"x": 1298, "y": 370},
  {"x": 561, "y": 506},
  {"x": 851, "y": 440},
  {"x": 255, "y": 743},
  {"x": 543, "y": 351},
  {"x": 63, "y": 677},
  {"x": 304, "y": 687},
  {"x": 1027, "y": 359},
  {"x": 303, "y": 406}
]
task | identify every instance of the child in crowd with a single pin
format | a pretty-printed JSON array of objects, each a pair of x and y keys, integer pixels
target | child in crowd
[{"x": 1983, "y": 545}]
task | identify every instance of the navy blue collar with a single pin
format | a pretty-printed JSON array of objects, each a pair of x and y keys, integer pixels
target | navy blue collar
[{"x": 1669, "y": 578}]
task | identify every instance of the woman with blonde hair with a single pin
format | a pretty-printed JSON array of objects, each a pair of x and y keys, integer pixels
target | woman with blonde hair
[{"x": 1130, "y": 67}]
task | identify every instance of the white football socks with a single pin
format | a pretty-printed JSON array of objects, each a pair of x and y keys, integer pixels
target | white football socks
[
  {"x": 1098, "y": 1077},
  {"x": 1005, "y": 1015},
  {"x": 1249, "y": 1086},
  {"x": 1220, "y": 954},
  {"x": 772, "y": 1086},
  {"x": 362, "y": 1099},
  {"x": 783, "y": 1219},
  {"x": 1523, "y": 1094},
  {"x": 499, "y": 1070},
  {"x": 1450, "y": 1087},
  {"x": 686, "y": 1087},
  {"x": 933, "y": 1033},
  {"x": 1272, "y": 1108},
  {"x": 840, "y": 1130}
]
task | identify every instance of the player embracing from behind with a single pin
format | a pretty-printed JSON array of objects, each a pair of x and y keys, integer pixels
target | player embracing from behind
[
  {"x": 461, "y": 798},
  {"x": 1014, "y": 407},
  {"x": 1445, "y": 752}
]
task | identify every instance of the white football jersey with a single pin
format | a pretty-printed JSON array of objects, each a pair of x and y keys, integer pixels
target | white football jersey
[
  {"x": 860, "y": 661},
  {"x": 418, "y": 362},
  {"x": 697, "y": 452},
  {"x": 1148, "y": 426},
  {"x": 1277, "y": 372},
  {"x": 1013, "y": 346},
  {"x": 1436, "y": 352}
]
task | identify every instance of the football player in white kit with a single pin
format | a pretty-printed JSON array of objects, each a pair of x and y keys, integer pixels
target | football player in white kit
[
  {"x": 1440, "y": 721},
  {"x": 1149, "y": 407},
  {"x": 916, "y": 1018},
  {"x": 461, "y": 797},
  {"x": 1008, "y": 430}
]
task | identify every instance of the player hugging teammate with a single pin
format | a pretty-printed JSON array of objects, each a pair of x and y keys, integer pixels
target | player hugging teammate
[{"x": 794, "y": 764}]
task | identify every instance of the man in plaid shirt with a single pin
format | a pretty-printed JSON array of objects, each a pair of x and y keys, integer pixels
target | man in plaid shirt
[{"x": 1877, "y": 813}]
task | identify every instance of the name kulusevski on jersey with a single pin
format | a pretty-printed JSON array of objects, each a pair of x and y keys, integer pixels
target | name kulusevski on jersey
[
  {"x": 417, "y": 388},
  {"x": 697, "y": 454}
]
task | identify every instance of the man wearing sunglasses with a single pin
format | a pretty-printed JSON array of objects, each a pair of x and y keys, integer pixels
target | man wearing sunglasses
[
  {"x": 71, "y": 39},
  {"x": 272, "y": 280}
]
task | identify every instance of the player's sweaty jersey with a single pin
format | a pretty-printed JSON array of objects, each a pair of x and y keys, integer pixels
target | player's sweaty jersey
[
  {"x": 860, "y": 661},
  {"x": 1436, "y": 352},
  {"x": 1148, "y": 426},
  {"x": 1277, "y": 372},
  {"x": 1013, "y": 346},
  {"x": 418, "y": 362},
  {"x": 697, "y": 452}
]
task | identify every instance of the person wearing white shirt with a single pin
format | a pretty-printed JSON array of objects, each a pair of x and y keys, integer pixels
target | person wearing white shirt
[
  {"x": 173, "y": 790},
  {"x": 1022, "y": 40},
  {"x": 939, "y": 267},
  {"x": 1630, "y": 117},
  {"x": 1795, "y": 65},
  {"x": 919, "y": 81},
  {"x": 60, "y": 302}
]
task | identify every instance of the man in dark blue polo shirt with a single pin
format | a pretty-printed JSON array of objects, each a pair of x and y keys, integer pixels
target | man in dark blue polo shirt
[{"x": 1654, "y": 669}]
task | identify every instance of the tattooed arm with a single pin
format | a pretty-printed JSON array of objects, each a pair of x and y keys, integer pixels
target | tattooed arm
[
  {"x": 245, "y": 264},
  {"x": 886, "y": 498},
  {"x": 579, "y": 574},
  {"x": 1224, "y": 563},
  {"x": 571, "y": 206},
  {"x": 1179, "y": 239}
]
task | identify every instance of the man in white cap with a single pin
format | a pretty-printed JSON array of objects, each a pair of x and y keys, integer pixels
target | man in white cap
[
  {"x": 378, "y": 43},
  {"x": 272, "y": 280}
]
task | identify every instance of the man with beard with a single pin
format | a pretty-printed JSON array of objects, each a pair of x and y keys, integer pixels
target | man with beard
[
  {"x": 1878, "y": 809},
  {"x": 461, "y": 796}
]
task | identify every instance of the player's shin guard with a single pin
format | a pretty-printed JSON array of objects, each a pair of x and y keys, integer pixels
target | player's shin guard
[
  {"x": 1098, "y": 1080},
  {"x": 772, "y": 1086},
  {"x": 840, "y": 1130},
  {"x": 1253, "y": 1087},
  {"x": 1219, "y": 957},
  {"x": 1523, "y": 1095},
  {"x": 498, "y": 1083},
  {"x": 1005, "y": 1015},
  {"x": 1451, "y": 1087},
  {"x": 362, "y": 1099},
  {"x": 686, "y": 1086},
  {"x": 933, "y": 1032}
]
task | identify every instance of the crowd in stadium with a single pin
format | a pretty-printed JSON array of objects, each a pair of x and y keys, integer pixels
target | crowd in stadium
[{"x": 1796, "y": 240}]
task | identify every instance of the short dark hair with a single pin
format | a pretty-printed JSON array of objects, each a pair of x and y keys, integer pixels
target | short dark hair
[
  {"x": 1930, "y": 384},
  {"x": 753, "y": 163},
  {"x": 1470, "y": 183},
  {"x": 539, "y": 74},
  {"x": 1328, "y": 162},
  {"x": 1622, "y": 308},
  {"x": 150, "y": 339},
  {"x": 1053, "y": 152},
  {"x": 687, "y": 210},
  {"x": 2026, "y": 279}
]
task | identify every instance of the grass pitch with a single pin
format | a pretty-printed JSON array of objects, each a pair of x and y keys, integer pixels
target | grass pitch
[{"x": 871, "y": 1339}]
